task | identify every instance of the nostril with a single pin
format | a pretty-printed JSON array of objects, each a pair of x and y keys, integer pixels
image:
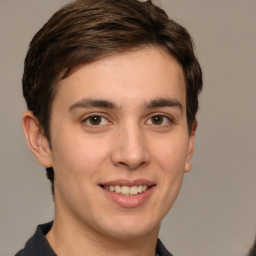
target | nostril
[{"x": 132, "y": 165}]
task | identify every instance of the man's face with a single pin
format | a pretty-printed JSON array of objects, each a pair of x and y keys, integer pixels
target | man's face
[{"x": 120, "y": 143}]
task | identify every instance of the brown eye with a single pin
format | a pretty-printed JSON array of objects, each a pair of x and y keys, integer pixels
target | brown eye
[
  {"x": 95, "y": 120},
  {"x": 157, "y": 120}
]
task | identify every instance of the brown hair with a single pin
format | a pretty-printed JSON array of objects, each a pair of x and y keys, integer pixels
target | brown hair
[{"x": 87, "y": 30}]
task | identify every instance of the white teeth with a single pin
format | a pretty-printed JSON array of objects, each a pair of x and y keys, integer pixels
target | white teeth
[
  {"x": 118, "y": 189},
  {"x": 144, "y": 188},
  {"x": 134, "y": 190},
  {"x": 127, "y": 191}
]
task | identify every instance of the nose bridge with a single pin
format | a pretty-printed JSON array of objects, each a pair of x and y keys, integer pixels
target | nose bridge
[{"x": 130, "y": 147}]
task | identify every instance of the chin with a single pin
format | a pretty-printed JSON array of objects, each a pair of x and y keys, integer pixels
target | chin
[{"x": 129, "y": 229}]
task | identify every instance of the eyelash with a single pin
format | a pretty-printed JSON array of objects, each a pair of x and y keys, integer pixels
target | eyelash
[
  {"x": 164, "y": 117},
  {"x": 95, "y": 115}
]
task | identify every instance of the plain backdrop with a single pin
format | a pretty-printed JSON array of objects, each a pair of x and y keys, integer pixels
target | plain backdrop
[{"x": 215, "y": 213}]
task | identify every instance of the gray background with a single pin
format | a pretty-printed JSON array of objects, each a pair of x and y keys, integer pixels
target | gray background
[{"x": 215, "y": 213}]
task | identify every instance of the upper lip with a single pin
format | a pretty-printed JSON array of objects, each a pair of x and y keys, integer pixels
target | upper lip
[{"x": 129, "y": 183}]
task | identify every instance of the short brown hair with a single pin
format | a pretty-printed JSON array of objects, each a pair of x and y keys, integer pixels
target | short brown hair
[{"x": 88, "y": 30}]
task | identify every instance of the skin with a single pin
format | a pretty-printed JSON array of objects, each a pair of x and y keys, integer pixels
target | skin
[{"x": 120, "y": 118}]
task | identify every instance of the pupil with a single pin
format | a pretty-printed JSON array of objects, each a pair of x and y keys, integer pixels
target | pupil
[
  {"x": 95, "y": 120},
  {"x": 157, "y": 120}
]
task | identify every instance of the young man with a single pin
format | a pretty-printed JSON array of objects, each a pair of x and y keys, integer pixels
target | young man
[{"x": 111, "y": 88}]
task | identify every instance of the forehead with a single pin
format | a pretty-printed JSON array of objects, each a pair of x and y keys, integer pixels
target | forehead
[{"x": 131, "y": 76}]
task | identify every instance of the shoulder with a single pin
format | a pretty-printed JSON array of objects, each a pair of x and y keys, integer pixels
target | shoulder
[
  {"x": 20, "y": 253},
  {"x": 37, "y": 245},
  {"x": 161, "y": 250}
]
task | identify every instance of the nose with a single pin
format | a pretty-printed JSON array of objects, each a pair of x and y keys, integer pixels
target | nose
[{"x": 130, "y": 149}]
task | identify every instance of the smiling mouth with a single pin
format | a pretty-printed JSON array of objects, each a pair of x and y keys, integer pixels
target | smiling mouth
[{"x": 126, "y": 190}]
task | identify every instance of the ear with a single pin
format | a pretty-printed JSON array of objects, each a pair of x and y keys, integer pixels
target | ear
[
  {"x": 36, "y": 140},
  {"x": 188, "y": 165}
]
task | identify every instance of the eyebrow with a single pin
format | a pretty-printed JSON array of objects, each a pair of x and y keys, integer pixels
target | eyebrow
[
  {"x": 164, "y": 102},
  {"x": 100, "y": 103},
  {"x": 90, "y": 103}
]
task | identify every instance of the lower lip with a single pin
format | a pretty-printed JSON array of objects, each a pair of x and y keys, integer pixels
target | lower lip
[{"x": 129, "y": 201}]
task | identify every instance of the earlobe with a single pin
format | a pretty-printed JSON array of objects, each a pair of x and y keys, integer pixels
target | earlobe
[
  {"x": 36, "y": 140},
  {"x": 188, "y": 165}
]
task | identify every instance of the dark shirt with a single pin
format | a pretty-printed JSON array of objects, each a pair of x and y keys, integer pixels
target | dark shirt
[{"x": 37, "y": 245}]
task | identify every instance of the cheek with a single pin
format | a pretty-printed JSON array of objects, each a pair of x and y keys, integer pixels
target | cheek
[
  {"x": 77, "y": 156},
  {"x": 171, "y": 154},
  {"x": 170, "y": 162},
  {"x": 76, "y": 166}
]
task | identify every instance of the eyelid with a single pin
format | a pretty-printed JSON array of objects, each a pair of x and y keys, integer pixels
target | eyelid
[
  {"x": 86, "y": 118},
  {"x": 168, "y": 117}
]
